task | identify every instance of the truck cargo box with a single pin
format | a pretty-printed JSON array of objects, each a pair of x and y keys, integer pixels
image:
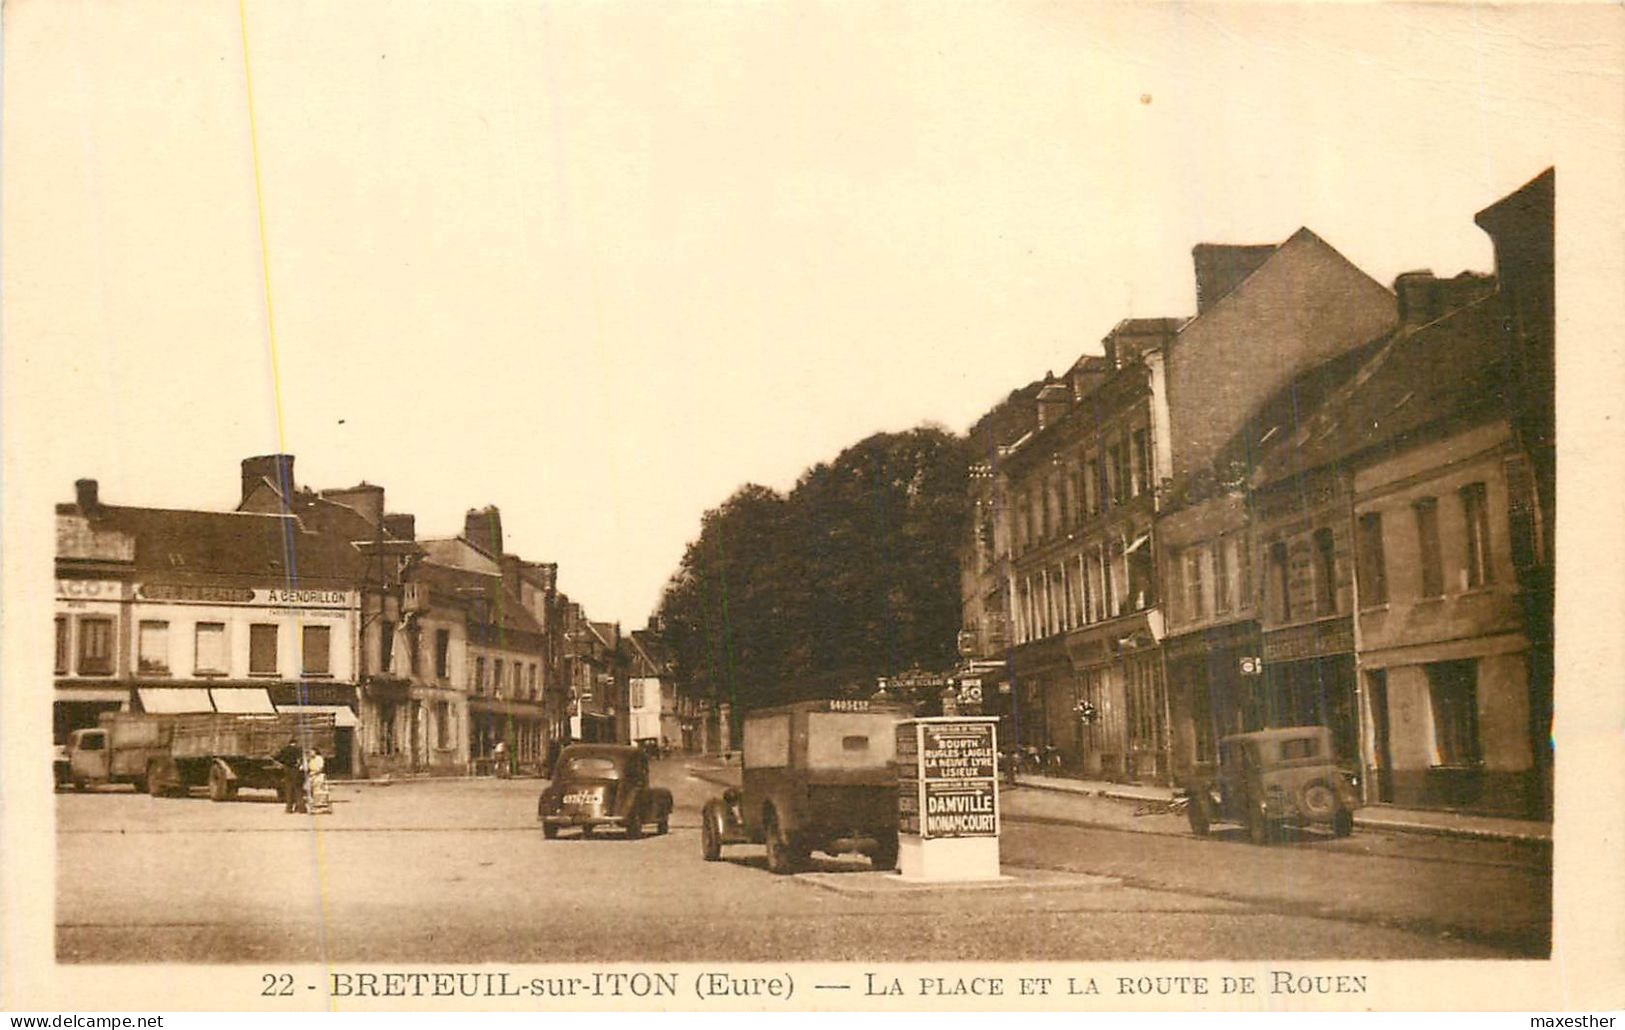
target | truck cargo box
[{"x": 250, "y": 736}]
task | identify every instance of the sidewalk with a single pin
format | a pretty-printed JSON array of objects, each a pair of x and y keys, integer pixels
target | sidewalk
[{"x": 1373, "y": 817}]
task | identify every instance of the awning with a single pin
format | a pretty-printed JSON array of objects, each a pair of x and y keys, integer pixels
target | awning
[
  {"x": 252, "y": 700},
  {"x": 342, "y": 716},
  {"x": 102, "y": 695},
  {"x": 174, "y": 700}
]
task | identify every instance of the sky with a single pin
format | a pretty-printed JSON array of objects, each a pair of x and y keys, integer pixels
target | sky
[{"x": 601, "y": 264}]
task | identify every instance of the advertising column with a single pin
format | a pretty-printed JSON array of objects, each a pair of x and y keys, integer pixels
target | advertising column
[{"x": 948, "y": 799}]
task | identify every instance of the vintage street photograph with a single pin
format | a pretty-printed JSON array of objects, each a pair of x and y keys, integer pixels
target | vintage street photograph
[{"x": 544, "y": 484}]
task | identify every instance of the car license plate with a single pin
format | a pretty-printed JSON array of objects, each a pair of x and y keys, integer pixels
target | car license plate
[{"x": 581, "y": 797}]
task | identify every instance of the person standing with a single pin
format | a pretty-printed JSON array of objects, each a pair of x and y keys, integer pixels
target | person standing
[
  {"x": 499, "y": 760},
  {"x": 292, "y": 757}
]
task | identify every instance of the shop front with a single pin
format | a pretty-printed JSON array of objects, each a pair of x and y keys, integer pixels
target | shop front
[{"x": 1309, "y": 681}]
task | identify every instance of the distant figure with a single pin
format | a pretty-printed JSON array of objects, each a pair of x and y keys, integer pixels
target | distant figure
[
  {"x": 292, "y": 759},
  {"x": 499, "y": 758},
  {"x": 316, "y": 795}
]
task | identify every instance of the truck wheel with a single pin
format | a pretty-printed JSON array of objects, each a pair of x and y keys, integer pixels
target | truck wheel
[
  {"x": 663, "y": 827},
  {"x": 885, "y": 856},
  {"x": 1196, "y": 812},
  {"x": 217, "y": 784},
  {"x": 711, "y": 834},
  {"x": 781, "y": 855},
  {"x": 549, "y": 831}
]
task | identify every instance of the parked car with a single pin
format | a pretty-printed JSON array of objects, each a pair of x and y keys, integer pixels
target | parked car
[
  {"x": 817, "y": 776},
  {"x": 1273, "y": 778},
  {"x": 598, "y": 785}
]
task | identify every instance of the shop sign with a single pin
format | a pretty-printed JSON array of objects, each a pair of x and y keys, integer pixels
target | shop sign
[
  {"x": 90, "y": 589},
  {"x": 281, "y": 597}
]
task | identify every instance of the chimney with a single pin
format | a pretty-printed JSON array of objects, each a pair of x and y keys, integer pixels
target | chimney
[
  {"x": 482, "y": 527},
  {"x": 84, "y": 491},
  {"x": 1424, "y": 298},
  {"x": 277, "y": 468},
  {"x": 1220, "y": 268},
  {"x": 1053, "y": 400},
  {"x": 401, "y": 526},
  {"x": 365, "y": 498}
]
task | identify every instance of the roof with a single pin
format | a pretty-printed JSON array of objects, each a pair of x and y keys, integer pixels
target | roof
[
  {"x": 186, "y": 545},
  {"x": 1454, "y": 366},
  {"x": 506, "y": 609}
]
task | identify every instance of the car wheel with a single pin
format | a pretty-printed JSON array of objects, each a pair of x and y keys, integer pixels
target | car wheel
[
  {"x": 711, "y": 835},
  {"x": 885, "y": 856},
  {"x": 586, "y": 831},
  {"x": 781, "y": 856},
  {"x": 1196, "y": 812},
  {"x": 634, "y": 826},
  {"x": 1319, "y": 802},
  {"x": 1343, "y": 823},
  {"x": 663, "y": 827},
  {"x": 549, "y": 831}
]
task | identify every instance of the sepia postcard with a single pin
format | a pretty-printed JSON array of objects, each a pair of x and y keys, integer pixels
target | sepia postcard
[{"x": 794, "y": 507}]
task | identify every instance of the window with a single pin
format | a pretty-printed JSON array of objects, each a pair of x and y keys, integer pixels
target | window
[
  {"x": 518, "y": 680},
  {"x": 1223, "y": 573},
  {"x": 1325, "y": 571},
  {"x": 1195, "y": 588},
  {"x": 479, "y": 675},
  {"x": 1523, "y": 514},
  {"x": 1427, "y": 538},
  {"x": 1070, "y": 502},
  {"x": 414, "y": 639},
  {"x": 496, "y": 677},
  {"x": 262, "y": 646},
  {"x": 442, "y": 724},
  {"x": 387, "y": 712},
  {"x": 209, "y": 653},
  {"x": 1140, "y": 455},
  {"x": 62, "y": 645},
  {"x": 442, "y": 653},
  {"x": 1141, "y": 573},
  {"x": 1091, "y": 592},
  {"x": 1475, "y": 510},
  {"x": 386, "y": 645},
  {"x": 637, "y": 694},
  {"x": 1373, "y": 568},
  {"x": 1091, "y": 486},
  {"x": 534, "y": 670},
  {"x": 315, "y": 650},
  {"x": 1281, "y": 580},
  {"x": 1244, "y": 570},
  {"x": 95, "y": 646},
  {"x": 1117, "y": 473},
  {"x": 1116, "y": 580},
  {"x": 1453, "y": 692}
]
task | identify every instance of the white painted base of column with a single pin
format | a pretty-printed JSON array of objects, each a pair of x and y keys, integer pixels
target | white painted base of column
[{"x": 944, "y": 859}]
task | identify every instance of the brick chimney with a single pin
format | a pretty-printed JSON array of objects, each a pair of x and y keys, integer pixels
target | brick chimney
[
  {"x": 1220, "y": 268},
  {"x": 278, "y": 468},
  {"x": 401, "y": 526},
  {"x": 365, "y": 498},
  {"x": 1424, "y": 298},
  {"x": 1053, "y": 400},
  {"x": 482, "y": 527},
  {"x": 84, "y": 492}
]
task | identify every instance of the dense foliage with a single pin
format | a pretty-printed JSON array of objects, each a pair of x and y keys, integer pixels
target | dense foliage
[{"x": 853, "y": 575}]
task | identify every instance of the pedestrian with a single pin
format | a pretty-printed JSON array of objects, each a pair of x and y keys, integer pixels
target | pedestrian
[
  {"x": 317, "y": 797},
  {"x": 291, "y": 757},
  {"x": 499, "y": 759}
]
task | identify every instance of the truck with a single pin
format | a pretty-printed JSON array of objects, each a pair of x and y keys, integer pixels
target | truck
[
  {"x": 168, "y": 755},
  {"x": 817, "y": 776}
]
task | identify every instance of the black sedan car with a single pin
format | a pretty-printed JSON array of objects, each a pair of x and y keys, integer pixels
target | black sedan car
[{"x": 596, "y": 785}]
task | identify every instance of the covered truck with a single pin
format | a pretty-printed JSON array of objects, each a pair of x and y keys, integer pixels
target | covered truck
[{"x": 170, "y": 754}]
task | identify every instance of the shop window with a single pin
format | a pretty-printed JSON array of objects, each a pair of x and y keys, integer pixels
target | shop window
[
  {"x": 1427, "y": 539},
  {"x": 315, "y": 651},
  {"x": 210, "y": 649},
  {"x": 95, "y": 646},
  {"x": 1453, "y": 691},
  {"x": 262, "y": 648},
  {"x": 442, "y": 725},
  {"x": 1325, "y": 571},
  {"x": 63, "y": 639},
  {"x": 442, "y": 653},
  {"x": 1373, "y": 565},
  {"x": 386, "y": 645},
  {"x": 1475, "y": 511}
]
